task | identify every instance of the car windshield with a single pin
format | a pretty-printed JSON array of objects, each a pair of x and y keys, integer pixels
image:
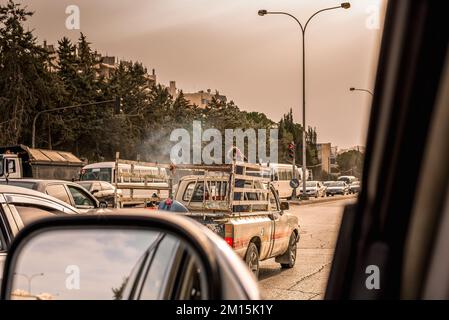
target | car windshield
[
  {"x": 311, "y": 184},
  {"x": 98, "y": 174},
  {"x": 335, "y": 184}
]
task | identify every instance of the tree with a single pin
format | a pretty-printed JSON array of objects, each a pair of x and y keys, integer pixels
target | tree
[
  {"x": 32, "y": 81},
  {"x": 258, "y": 120},
  {"x": 351, "y": 163},
  {"x": 289, "y": 131},
  {"x": 26, "y": 84},
  {"x": 118, "y": 292},
  {"x": 158, "y": 124}
]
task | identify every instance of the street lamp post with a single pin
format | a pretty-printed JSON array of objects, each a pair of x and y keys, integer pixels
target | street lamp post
[
  {"x": 345, "y": 5},
  {"x": 362, "y": 90},
  {"x": 30, "y": 278},
  {"x": 33, "y": 130}
]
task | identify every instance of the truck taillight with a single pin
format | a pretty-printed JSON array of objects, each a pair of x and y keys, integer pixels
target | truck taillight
[
  {"x": 229, "y": 234},
  {"x": 230, "y": 241}
]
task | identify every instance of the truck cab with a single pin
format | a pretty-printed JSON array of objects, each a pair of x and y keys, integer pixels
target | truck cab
[
  {"x": 10, "y": 166},
  {"x": 20, "y": 161}
]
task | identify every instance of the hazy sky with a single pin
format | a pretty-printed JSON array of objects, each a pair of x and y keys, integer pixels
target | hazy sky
[{"x": 225, "y": 45}]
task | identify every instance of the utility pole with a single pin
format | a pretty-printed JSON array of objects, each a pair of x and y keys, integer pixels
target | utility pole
[{"x": 303, "y": 28}]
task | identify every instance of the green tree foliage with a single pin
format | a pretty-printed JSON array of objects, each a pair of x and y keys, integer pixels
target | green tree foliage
[
  {"x": 289, "y": 131},
  {"x": 26, "y": 85},
  {"x": 117, "y": 293},
  {"x": 351, "y": 163}
]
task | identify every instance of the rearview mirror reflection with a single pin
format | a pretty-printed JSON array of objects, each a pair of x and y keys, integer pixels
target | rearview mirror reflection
[{"x": 106, "y": 264}]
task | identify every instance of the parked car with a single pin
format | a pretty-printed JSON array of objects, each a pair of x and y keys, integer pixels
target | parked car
[
  {"x": 103, "y": 191},
  {"x": 127, "y": 257},
  {"x": 336, "y": 187},
  {"x": 354, "y": 187},
  {"x": 19, "y": 207},
  {"x": 347, "y": 179},
  {"x": 314, "y": 189},
  {"x": 69, "y": 192}
]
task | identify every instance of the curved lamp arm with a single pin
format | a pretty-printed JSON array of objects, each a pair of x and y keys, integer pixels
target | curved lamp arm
[
  {"x": 345, "y": 5},
  {"x": 318, "y": 12},
  {"x": 264, "y": 12}
]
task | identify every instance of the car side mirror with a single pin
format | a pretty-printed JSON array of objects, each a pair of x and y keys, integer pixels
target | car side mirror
[
  {"x": 114, "y": 257},
  {"x": 10, "y": 166},
  {"x": 285, "y": 206},
  {"x": 94, "y": 191}
]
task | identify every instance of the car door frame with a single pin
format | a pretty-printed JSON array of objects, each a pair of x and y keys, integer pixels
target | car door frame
[
  {"x": 72, "y": 202},
  {"x": 15, "y": 223},
  {"x": 279, "y": 230},
  {"x": 374, "y": 231},
  {"x": 91, "y": 197},
  {"x": 34, "y": 200},
  {"x": 171, "y": 279},
  {"x": 5, "y": 221}
]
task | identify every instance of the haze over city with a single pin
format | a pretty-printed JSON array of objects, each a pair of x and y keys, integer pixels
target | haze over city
[{"x": 255, "y": 61}]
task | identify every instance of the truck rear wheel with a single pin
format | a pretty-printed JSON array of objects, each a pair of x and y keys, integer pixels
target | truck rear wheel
[
  {"x": 292, "y": 247},
  {"x": 252, "y": 259}
]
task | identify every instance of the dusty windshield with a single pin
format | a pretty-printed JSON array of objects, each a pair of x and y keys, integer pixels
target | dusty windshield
[
  {"x": 100, "y": 174},
  {"x": 335, "y": 184},
  {"x": 155, "y": 85}
]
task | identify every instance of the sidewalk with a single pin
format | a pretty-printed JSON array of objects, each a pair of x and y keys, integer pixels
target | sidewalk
[{"x": 321, "y": 200}]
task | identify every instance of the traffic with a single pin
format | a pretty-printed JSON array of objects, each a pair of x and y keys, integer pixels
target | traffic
[{"x": 244, "y": 205}]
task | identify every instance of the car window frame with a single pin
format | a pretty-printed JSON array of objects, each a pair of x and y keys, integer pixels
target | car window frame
[
  {"x": 5, "y": 238},
  {"x": 181, "y": 281},
  {"x": 66, "y": 191},
  {"x": 168, "y": 274},
  {"x": 195, "y": 184},
  {"x": 95, "y": 203},
  {"x": 14, "y": 208},
  {"x": 408, "y": 78},
  {"x": 13, "y": 198}
]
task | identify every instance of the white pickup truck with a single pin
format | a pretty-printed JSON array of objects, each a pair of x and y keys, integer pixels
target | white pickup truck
[{"x": 242, "y": 208}]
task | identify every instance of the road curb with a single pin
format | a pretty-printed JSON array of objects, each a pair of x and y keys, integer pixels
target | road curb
[{"x": 321, "y": 200}]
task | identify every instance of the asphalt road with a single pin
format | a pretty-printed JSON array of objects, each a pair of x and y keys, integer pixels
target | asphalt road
[{"x": 320, "y": 223}]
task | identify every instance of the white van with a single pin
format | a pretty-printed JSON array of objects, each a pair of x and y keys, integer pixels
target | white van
[
  {"x": 105, "y": 171},
  {"x": 281, "y": 175}
]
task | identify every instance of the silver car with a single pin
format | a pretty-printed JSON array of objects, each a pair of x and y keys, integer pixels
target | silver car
[
  {"x": 314, "y": 189},
  {"x": 69, "y": 192},
  {"x": 102, "y": 190},
  {"x": 20, "y": 207}
]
